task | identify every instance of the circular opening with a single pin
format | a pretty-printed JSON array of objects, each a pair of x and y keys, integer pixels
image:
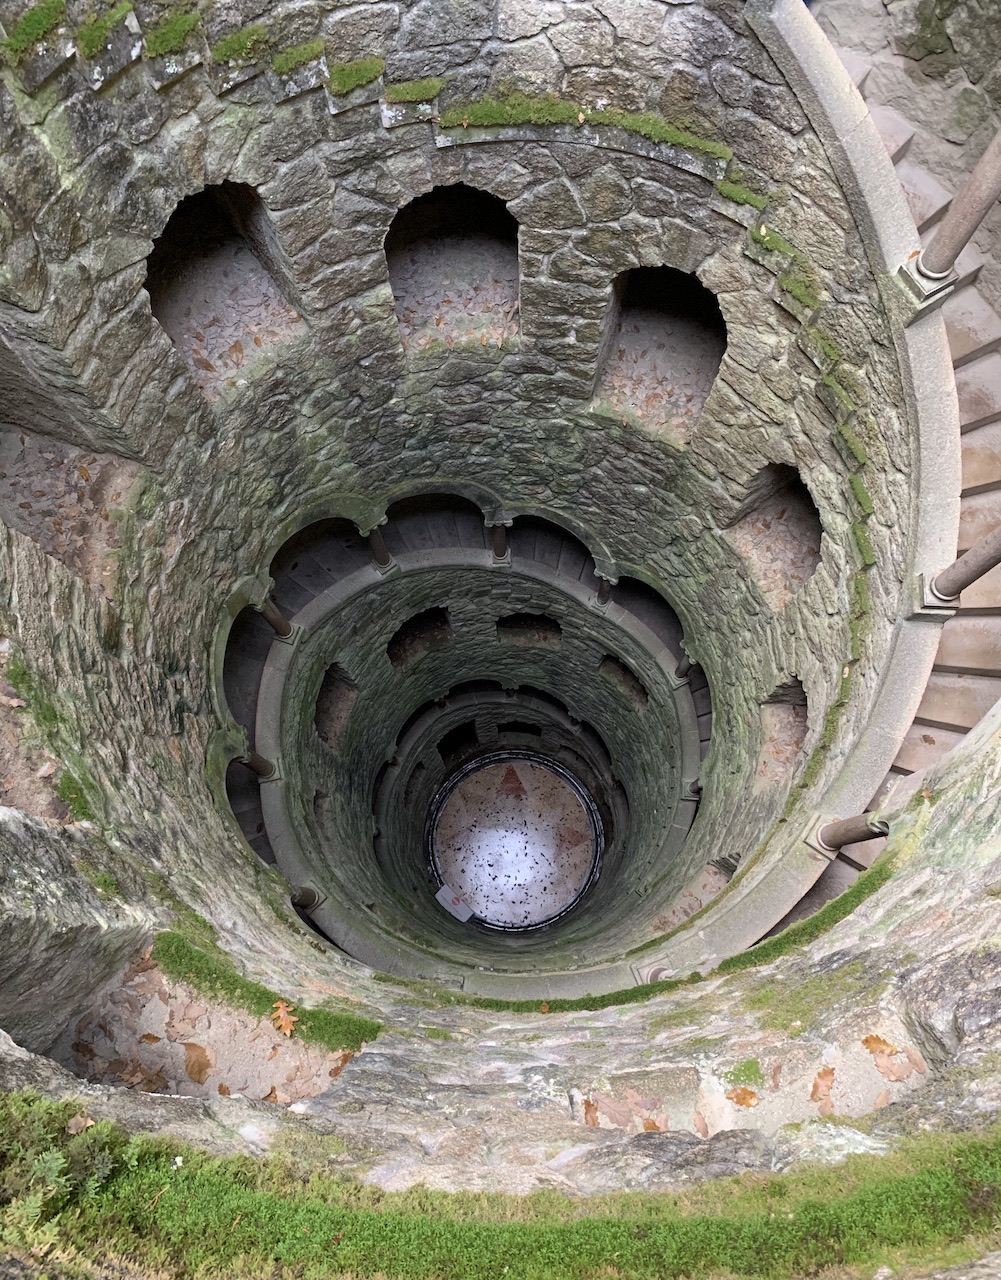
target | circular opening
[{"x": 515, "y": 838}]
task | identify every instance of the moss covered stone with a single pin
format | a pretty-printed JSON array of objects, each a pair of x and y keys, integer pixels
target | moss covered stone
[
  {"x": 346, "y": 76},
  {"x": 244, "y": 46},
  {"x": 33, "y": 25},
  {"x": 415, "y": 90},
  {"x": 93, "y": 35},
  {"x": 171, "y": 36},
  {"x": 289, "y": 60}
]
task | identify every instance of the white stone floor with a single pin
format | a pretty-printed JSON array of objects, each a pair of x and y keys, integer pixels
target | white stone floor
[{"x": 516, "y": 843}]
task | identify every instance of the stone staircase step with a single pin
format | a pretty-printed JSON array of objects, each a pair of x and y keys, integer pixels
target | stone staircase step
[
  {"x": 982, "y": 459},
  {"x": 970, "y": 645},
  {"x": 895, "y": 130},
  {"x": 340, "y": 556},
  {"x": 927, "y": 197},
  {"x": 923, "y": 745},
  {"x": 972, "y": 325},
  {"x": 984, "y": 594},
  {"x": 978, "y": 385},
  {"x": 956, "y": 701},
  {"x": 979, "y": 514},
  {"x": 857, "y": 65}
]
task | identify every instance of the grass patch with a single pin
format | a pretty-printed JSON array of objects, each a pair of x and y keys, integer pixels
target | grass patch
[
  {"x": 793, "y": 1007},
  {"x": 861, "y": 495},
  {"x": 93, "y": 35},
  {"x": 629, "y": 995},
  {"x": 244, "y": 46},
  {"x": 415, "y": 90},
  {"x": 862, "y": 542},
  {"x": 103, "y": 881},
  {"x": 855, "y": 446},
  {"x": 208, "y": 1215},
  {"x": 747, "y": 1073},
  {"x": 346, "y": 76},
  {"x": 800, "y": 288},
  {"x": 289, "y": 60},
  {"x": 798, "y": 280},
  {"x": 805, "y": 931},
  {"x": 740, "y": 194},
  {"x": 171, "y": 36},
  {"x": 437, "y": 1033},
  {"x": 522, "y": 108},
  {"x": 214, "y": 976},
  {"x": 73, "y": 796},
  {"x": 32, "y": 26}
]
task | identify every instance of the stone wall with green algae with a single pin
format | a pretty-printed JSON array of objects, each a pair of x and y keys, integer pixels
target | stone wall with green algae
[{"x": 344, "y": 411}]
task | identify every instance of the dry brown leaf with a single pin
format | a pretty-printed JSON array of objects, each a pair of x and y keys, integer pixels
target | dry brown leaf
[
  {"x": 84, "y": 473},
  {"x": 892, "y": 1069},
  {"x": 650, "y": 1126},
  {"x": 743, "y": 1097},
  {"x": 590, "y": 1114},
  {"x": 543, "y": 1007},
  {"x": 78, "y": 1124},
  {"x": 338, "y": 1067},
  {"x": 197, "y": 1062},
  {"x": 283, "y": 1018},
  {"x": 271, "y": 1095},
  {"x": 701, "y": 1128},
  {"x": 822, "y": 1084},
  {"x": 876, "y": 1044},
  {"x": 224, "y": 1089},
  {"x": 882, "y": 1100},
  {"x": 916, "y": 1061},
  {"x": 148, "y": 1037}
]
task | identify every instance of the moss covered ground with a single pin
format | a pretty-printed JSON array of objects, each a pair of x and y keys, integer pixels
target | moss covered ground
[{"x": 75, "y": 1190}]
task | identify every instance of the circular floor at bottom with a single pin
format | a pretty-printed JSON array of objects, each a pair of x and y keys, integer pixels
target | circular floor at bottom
[{"x": 515, "y": 840}]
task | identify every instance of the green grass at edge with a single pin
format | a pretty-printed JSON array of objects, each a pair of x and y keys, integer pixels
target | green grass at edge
[
  {"x": 523, "y": 108},
  {"x": 215, "y": 977},
  {"x": 346, "y": 76},
  {"x": 92, "y": 36},
  {"x": 32, "y": 26},
  {"x": 169, "y": 1207},
  {"x": 289, "y": 60},
  {"x": 243, "y": 46},
  {"x": 415, "y": 90},
  {"x": 172, "y": 35}
]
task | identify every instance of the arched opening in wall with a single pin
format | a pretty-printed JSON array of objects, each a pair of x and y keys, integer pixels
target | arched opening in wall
[
  {"x": 62, "y": 498},
  {"x": 702, "y": 701},
  {"x": 552, "y": 547},
  {"x": 784, "y": 725},
  {"x": 518, "y": 729},
  {"x": 247, "y": 648},
  {"x": 427, "y": 630},
  {"x": 215, "y": 284},
  {"x": 244, "y": 794},
  {"x": 664, "y": 340},
  {"x": 619, "y": 675},
  {"x": 777, "y": 530},
  {"x": 649, "y": 607},
  {"x": 433, "y": 520},
  {"x": 458, "y": 743},
  {"x": 453, "y": 265},
  {"x": 333, "y": 705},
  {"x": 315, "y": 558},
  {"x": 530, "y": 630}
]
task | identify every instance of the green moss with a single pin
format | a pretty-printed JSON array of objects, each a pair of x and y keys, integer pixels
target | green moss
[
  {"x": 103, "y": 881},
  {"x": 769, "y": 239},
  {"x": 747, "y": 1073},
  {"x": 859, "y": 613},
  {"x": 437, "y": 1033},
  {"x": 805, "y": 931},
  {"x": 170, "y": 1208},
  {"x": 855, "y": 446},
  {"x": 438, "y": 998},
  {"x": 795, "y": 1006},
  {"x": 415, "y": 90},
  {"x": 33, "y": 25},
  {"x": 740, "y": 194},
  {"x": 93, "y": 35},
  {"x": 800, "y": 288},
  {"x": 840, "y": 394},
  {"x": 288, "y": 60},
  {"x": 865, "y": 548},
  {"x": 215, "y": 976},
  {"x": 346, "y": 76},
  {"x": 529, "y": 109},
  {"x": 73, "y": 796},
  {"x": 244, "y": 46},
  {"x": 171, "y": 36},
  {"x": 861, "y": 495}
]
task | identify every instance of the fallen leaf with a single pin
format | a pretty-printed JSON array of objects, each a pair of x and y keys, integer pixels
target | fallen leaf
[
  {"x": 743, "y": 1097},
  {"x": 650, "y": 1126},
  {"x": 224, "y": 1089},
  {"x": 882, "y": 1100},
  {"x": 283, "y": 1018},
  {"x": 823, "y": 1081},
  {"x": 543, "y": 1007},
  {"x": 338, "y": 1067},
  {"x": 148, "y": 1037},
  {"x": 701, "y": 1128},
  {"x": 916, "y": 1060},
  {"x": 84, "y": 473},
  {"x": 197, "y": 1062},
  {"x": 590, "y": 1113},
  {"x": 891, "y": 1069},
  {"x": 876, "y": 1044},
  {"x": 78, "y": 1124}
]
